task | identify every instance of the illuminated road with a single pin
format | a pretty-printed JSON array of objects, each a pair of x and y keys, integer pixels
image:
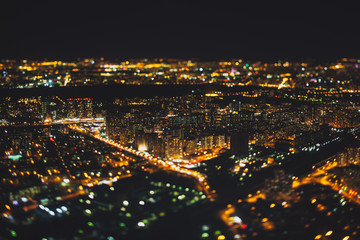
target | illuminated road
[
  {"x": 321, "y": 176},
  {"x": 78, "y": 120},
  {"x": 58, "y": 122},
  {"x": 215, "y": 153},
  {"x": 234, "y": 222},
  {"x": 163, "y": 164}
]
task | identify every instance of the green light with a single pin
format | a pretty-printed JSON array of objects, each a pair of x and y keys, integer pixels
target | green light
[
  {"x": 205, "y": 228},
  {"x": 122, "y": 224},
  {"x": 14, "y": 157},
  {"x": 90, "y": 224},
  {"x": 205, "y": 235},
  {"x": 217, "y": 232},
  {"x": 13, "y": 233},
  {"x": 87, "y": 211},
  {"x": 80, "y": 231},
  {"x": 174, "y": 199},
  {"x": 128, "y": 214}
]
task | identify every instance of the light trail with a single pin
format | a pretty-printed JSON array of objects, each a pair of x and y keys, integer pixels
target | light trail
[
  {"x": 57, "y": 122},
  {"x": 164, "y": 164},
  {"x": 320, "y": 176}
]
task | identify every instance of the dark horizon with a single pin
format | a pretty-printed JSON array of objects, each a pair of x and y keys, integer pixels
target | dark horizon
[
  {"x": 319, "y": 60},
  {"x": 185, "y": 30}
]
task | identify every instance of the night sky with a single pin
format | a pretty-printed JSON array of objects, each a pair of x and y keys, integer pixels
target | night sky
[{"x": 255, "y": 30}]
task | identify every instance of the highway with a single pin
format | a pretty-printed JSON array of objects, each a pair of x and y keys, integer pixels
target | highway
[
  {"x": 163, "y": 164},
  {"x": 48, "y": 122}
]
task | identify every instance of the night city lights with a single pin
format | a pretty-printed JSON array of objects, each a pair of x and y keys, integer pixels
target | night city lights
[{"x": 179, "y": 120}]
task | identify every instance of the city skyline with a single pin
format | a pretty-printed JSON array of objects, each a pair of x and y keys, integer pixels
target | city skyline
[
  {"x": 179, "y": 149},
  {"x": 227, "y": 120}
]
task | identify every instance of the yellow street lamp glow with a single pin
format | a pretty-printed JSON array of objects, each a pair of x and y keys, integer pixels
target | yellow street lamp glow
[{"x": 328, "y": 233}]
